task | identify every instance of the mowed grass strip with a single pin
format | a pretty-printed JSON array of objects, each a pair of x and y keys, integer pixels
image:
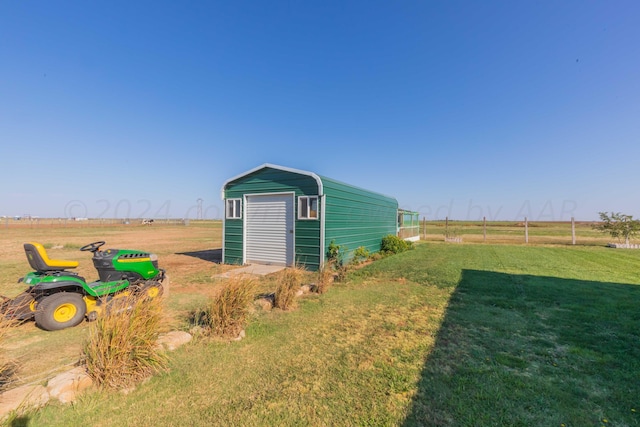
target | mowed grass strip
[{"x": 441, "y": 335}]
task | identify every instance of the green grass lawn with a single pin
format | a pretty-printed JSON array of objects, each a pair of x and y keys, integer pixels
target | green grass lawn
[{"x": 446, "y": 334}]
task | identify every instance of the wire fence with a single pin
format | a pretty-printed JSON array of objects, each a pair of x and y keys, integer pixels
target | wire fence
[
  {"x": 448, "y": 230},
  {"x": 513, "y": 232}
]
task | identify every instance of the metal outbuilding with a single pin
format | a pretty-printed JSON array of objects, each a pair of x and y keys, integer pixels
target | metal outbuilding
[{"x": 283, "y": 216}]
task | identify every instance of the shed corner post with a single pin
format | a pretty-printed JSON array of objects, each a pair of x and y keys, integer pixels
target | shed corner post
[
  {"x": 323, "y": 209},
  {"x": 224, "y": 220}
]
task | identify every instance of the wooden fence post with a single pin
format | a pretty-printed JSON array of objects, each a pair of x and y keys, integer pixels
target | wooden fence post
[
  {"x": 526, "y": 230},
  {"x": 573, "y": 231},
  {"x": 424, "y": 227}
]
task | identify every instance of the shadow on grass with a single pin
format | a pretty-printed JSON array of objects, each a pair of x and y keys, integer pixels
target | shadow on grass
[
  {"x": 211, "y": 255},
  {"x": 533, "y": 350},
  {"x": 19, "y": 422}
]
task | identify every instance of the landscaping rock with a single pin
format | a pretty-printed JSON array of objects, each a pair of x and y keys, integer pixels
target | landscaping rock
[
  {"x": 68, "y": 385},
  {"x": 264, "y": 303},
  {"x": 240, "y": 336},
  {"x": 174, "y": 339},
  {"x": 305, "y": 289},
  {"x": 27, "y": 396}
]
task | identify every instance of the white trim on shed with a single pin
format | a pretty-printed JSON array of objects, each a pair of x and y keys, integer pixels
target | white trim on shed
[{"x": 282, "y": 168}]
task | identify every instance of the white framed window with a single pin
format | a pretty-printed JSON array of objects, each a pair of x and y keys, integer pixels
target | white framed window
[
  {"x": 234, "y": 209},
  {"x": 308, "y": 207}
]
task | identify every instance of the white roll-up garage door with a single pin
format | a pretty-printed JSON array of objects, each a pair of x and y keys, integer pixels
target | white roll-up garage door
[{"x": 269, "y": 229}]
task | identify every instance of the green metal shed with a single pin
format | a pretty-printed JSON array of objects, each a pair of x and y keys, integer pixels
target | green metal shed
[{"x": 284, "y": 216}]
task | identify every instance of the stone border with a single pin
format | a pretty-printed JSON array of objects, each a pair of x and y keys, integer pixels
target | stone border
[{"x": 67, "y": 386}]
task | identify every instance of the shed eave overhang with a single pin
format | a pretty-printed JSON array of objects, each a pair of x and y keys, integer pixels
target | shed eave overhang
[{"x": 272, "y": 166}]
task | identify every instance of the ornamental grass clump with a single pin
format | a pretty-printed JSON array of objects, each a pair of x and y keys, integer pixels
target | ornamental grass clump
[
  {"x": 122, "y": 346},
  {"x": 324, "y": 278},
  {"x": 227, "y": 313},
  {"x": 7, "y": 366},
  {"x": 289, "y": 282}
]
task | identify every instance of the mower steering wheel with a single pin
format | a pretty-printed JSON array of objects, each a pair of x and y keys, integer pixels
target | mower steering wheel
[{"x": 92, "y": 247}]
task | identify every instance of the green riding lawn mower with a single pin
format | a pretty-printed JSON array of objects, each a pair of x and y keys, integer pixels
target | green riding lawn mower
[{"x": 58, "y": 298}]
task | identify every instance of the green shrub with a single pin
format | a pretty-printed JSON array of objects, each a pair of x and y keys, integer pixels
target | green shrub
[
  {"x": 335, "y": 258},
  {"x": 335, "y": 253},
  {"x": 121, "y": 349},
  {"x": 361, "y": 254},
  {"x": 227, "y": 313},
  {"x": 394, "y": 245},
  {"x": 289, "y": 282}
]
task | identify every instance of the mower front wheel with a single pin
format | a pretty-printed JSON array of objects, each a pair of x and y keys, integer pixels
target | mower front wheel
[
  {"x": 151, "y": 289},
  {"x": 59, "y": 311},
  {"x": 20, "y": 308}
]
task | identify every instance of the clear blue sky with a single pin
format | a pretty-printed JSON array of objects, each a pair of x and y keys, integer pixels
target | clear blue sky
[{"x": 464, "y": 109}]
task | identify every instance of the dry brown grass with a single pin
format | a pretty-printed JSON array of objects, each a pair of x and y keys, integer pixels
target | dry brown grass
[
  {"x": 227, "y": 313},
  {"x": 324, "y": 279},
  {"x": 7, "y": 365},
  {"x": 289, "y": 282},
  {"x": 121, "y": 349}
]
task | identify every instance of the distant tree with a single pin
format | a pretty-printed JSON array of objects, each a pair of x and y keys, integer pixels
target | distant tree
[{"x": 618, "y": 225}]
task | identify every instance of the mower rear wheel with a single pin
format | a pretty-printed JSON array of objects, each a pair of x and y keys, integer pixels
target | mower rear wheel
[{"x": 59, "y": 311}]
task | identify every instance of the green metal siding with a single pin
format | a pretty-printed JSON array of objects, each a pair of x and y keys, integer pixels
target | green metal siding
[
  {"x": 354, "y": 217},
  {"x": 233, "y": 241},
  {"x": 307, "y": 242},
  {"x": 357, "y": 217},
  {"x": 269, "y": 180}
]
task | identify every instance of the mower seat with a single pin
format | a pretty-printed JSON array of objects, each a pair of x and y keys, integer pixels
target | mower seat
[{"x": 39, "y": 261}]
